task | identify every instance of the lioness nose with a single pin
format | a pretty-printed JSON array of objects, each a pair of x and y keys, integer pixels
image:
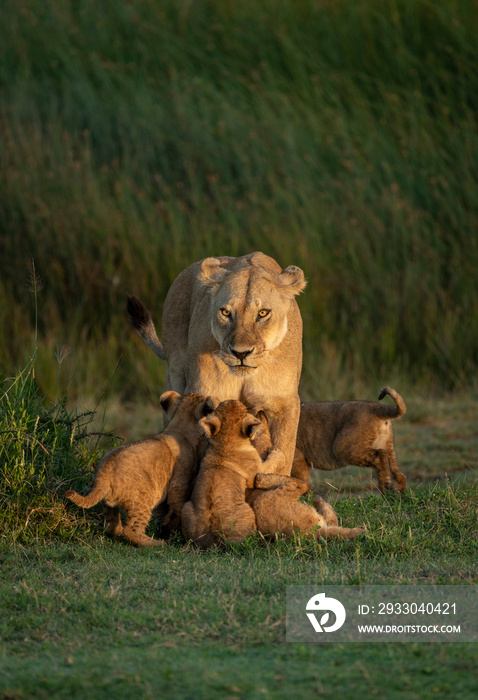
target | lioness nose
[{"x": 241, "y": 354}]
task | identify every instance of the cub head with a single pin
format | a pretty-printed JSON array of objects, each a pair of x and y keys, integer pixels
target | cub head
[
  {"x": 231, "y": 423},
  {"x": 190, "y": 406},
  {"x": 249, "y": 310}
]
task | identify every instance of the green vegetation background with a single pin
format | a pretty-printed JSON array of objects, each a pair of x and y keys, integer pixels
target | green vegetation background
[{"x": 138, "y": 137}]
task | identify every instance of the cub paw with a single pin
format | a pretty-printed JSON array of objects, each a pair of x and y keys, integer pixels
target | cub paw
[{"x": 275, "y": 462}]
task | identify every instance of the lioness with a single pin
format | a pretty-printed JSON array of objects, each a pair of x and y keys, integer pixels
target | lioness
[
  {"x": 137, "y": 476},
  {"x": 232, "y": 330},
  {"x": 334, "y": 434},
  {"x": 218, "y": 509}
]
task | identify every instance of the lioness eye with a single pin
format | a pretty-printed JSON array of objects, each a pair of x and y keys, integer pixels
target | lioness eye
[
  {"x": 263, "y": 313},
  {"x": 225, "y": 312}
]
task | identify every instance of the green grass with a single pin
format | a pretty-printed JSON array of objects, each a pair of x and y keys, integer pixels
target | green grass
[
  {"x": 81, "y": 615},
  {"x": 44, "y": 449},
  {"x": 337, "y": 136},
  {"x": 96, "y": 617},
  {"x": 414, "y": 671}
]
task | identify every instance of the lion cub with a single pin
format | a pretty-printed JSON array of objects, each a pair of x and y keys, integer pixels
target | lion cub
[
  {"x": 335, "y": 434},
  {"x": 277, "y": 509},
  {"x": 137, "y": 476},
  {"x": 218, "y": 509}
]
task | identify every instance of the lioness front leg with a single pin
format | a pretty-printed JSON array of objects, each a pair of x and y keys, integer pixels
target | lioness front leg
[
  {"x": 283, "y": 422},
  {"x": 301, "y": 470}
]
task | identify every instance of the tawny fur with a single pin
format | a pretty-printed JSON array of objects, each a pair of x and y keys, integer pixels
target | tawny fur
[
  {"x": 218, "y": 510},
  {"x": 232, "y": 330},
  {"x": 277, "y": 510},
  {"x": 262, "y": 443},
  {"x": 334, "y": 434},
  {"x": 139, "y": 476}
]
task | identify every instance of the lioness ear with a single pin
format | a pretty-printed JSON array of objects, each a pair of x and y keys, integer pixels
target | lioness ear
[
  {"x": 292, "y": 280},
  {"x": 169, "y": 400},
  {"x": 212, "y": 273},
  {"x": 250, "y": 425},
  {"x": 211, "y": 425}
]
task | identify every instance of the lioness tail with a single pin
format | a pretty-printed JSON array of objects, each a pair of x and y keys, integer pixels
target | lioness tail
[
  {"x": 141, "y": 320},
  {"x": 391, "y": 411}
]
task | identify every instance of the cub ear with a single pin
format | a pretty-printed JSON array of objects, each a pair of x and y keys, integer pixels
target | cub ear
[
  {"x": 250, "y": 426},
  {"x": 169, "y": 401},
  {"x": 212, "y": 273},
  {"x": 211, "y": 425},
  {"x": 208, "y": 406},
  {"x": 205, "y": 408},
  {"x": 292, "y": 280},
  {"x": 263, "y": 418}
]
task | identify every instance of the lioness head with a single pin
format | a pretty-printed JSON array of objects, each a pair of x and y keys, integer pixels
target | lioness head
[{"x": 249, "y": 310}]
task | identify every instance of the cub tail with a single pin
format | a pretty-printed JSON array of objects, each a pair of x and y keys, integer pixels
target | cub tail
[
  {"x": 140, "y": 318},
  {"x": 392, "y": 411},
  {"x": 91, "y": 499}
]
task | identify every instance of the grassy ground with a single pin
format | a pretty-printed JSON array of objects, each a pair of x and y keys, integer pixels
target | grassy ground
[
  {"x": 95, "y": 617},
  {"x": 83, "y": 616}
]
